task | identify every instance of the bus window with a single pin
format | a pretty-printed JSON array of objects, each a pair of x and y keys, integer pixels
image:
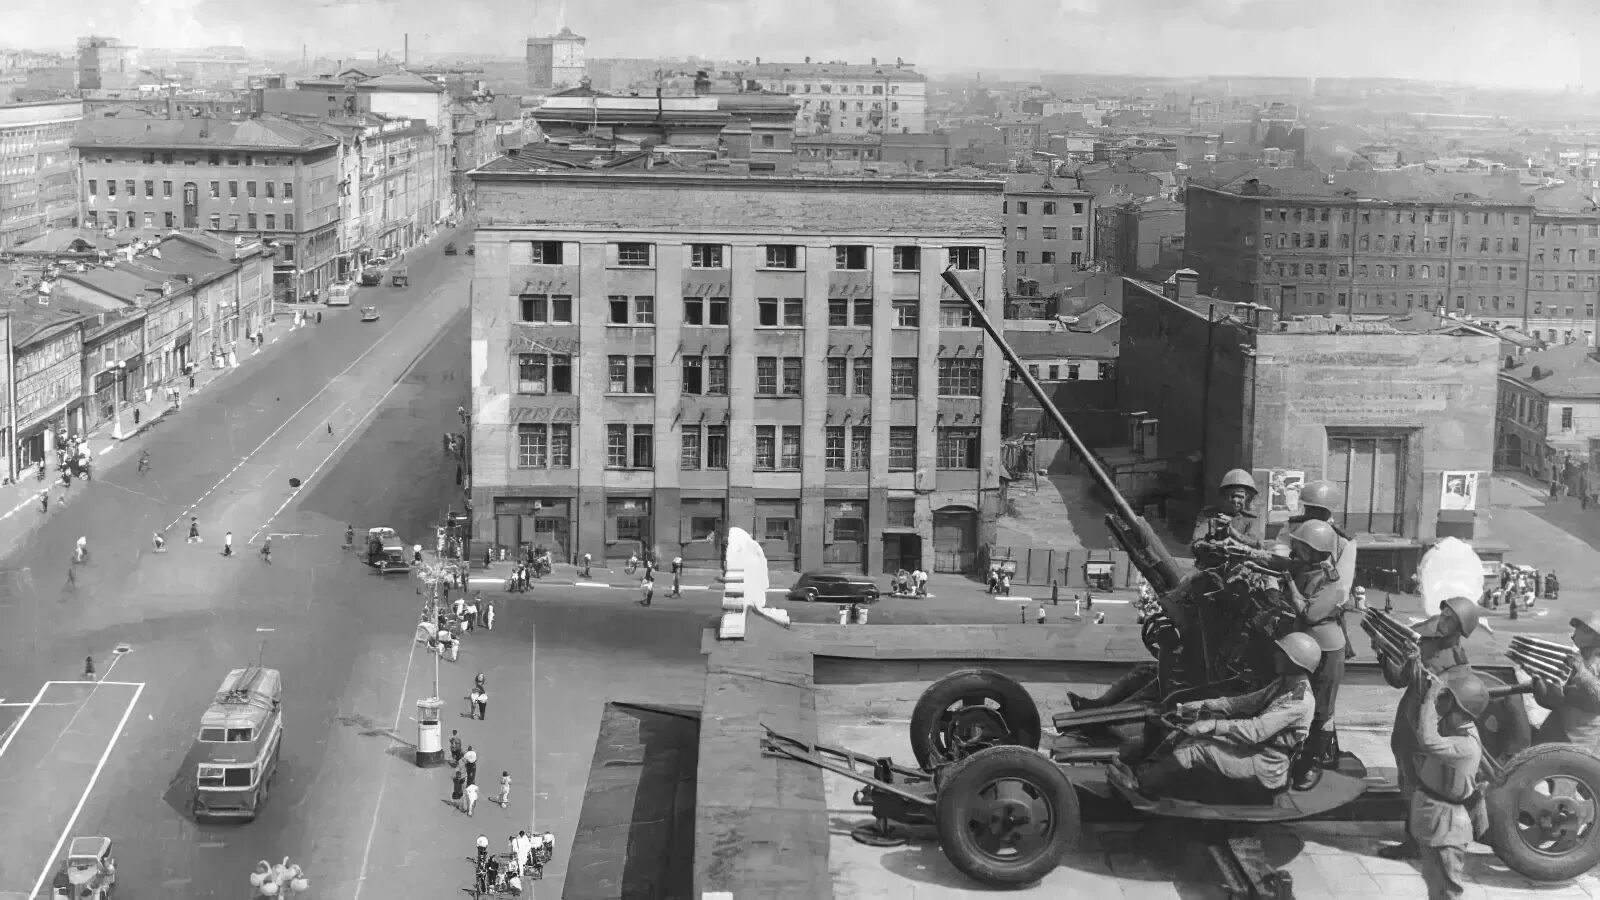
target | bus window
[
  {"x": 237, "y": 777},
  {"x": 210, "y": 776},
  {"x": 213, "y": 735},
  {"x": 241, "y": 734}
]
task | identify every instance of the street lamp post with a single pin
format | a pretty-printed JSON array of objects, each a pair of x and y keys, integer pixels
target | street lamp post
[
  {"x": 117, "y": 392},
  {"x": 466, "y": 466}
]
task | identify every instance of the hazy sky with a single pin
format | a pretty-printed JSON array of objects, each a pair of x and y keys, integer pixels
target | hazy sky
[{"x": 1530, "y": 43}]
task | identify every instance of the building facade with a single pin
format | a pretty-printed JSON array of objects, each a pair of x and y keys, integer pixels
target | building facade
[
  {"x": 38, "y": 188},
  {"x": 657, "y": 358},
  {"x": 1548, "y": 414},
  {"x": 1563, "y": 277},
  {"x": 1049, "y": 229},
  {"x": 1402, "y": 421},
  {"x": 106, "y": 63},
  {"x": 556, "y": 61},
  {"x": 849, "y": 99},
  {"x": 265, "y": 178}
]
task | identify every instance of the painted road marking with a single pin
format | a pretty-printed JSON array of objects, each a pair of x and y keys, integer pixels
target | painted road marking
[
  {"x": 108, "y": 449},
  {"x": 292, "y": 416},
  {"x": 353, "y": 430},
  {"x": 17, "y": 725}
]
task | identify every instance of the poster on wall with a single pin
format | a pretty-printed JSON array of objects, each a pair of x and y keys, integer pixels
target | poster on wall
[
  {"x": 1460, "y": 491},
  {"x": 1283, "y": 492}
]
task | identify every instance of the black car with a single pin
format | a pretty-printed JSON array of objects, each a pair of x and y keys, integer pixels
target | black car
[{"x": 814, "y": 586}]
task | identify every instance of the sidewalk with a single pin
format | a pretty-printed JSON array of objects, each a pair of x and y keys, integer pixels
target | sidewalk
[{"x": 21, "y": 499}]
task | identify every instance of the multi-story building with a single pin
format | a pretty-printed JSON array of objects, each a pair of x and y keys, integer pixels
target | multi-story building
[
  {"x": 1049, "y": 229},
  {"x": 1295, "y": 242},
  {"x": 556, "y": 61},
  {"x": 1549, "y": 413},
  {"x": 845, "y": 98},
  {"x": 266, "y": 177},
  {"x": 659, "y": 357},
  {"x": 38, "y": 190},
  {"x": 106, "y": 63},
  {"x": 1562, "y": 277},
  {"x": 1397, "y": 413}
]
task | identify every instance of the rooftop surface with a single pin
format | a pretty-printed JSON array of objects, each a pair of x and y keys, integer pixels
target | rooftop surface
[
  {"x": 263, "y": 133},
  {"x": 1569, "y": 370}
]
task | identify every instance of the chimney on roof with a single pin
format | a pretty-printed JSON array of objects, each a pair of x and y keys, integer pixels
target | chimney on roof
[
  {"x": 808, "y": 60},
  {"x": 1169, "y": 288},
  {"x": 1188, "y": 280}
]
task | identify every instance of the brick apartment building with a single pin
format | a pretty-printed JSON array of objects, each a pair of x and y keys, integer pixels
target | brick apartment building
[
  {"x": 1382, "y": 243},
  {"x": 1399, "y": 413},
  {"x": 1049, "y": 229},
  {"x": 658, "y": 357}
]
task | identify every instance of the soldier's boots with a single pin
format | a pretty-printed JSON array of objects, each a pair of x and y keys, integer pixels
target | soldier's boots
[{"x": 1321, "y": 751}]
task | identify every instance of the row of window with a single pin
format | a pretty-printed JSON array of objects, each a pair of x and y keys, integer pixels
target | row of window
[
  {"x": 269, "y": 189},
  {"x": 849, "y": 257},
  {"x": 211, "y": 159},
  {"x": 771, "y": 312},
  {"x": 1046, "y": 207},
  {"x": 1047, "y": 257},
  {"x": 550, "y": 373},
  {"x": 776, "y": 448},
  {"x": 1391, "y": 299},
  {"x": 250, "y": 222},
  {"x": 1382, "y": 242},
  {"x": 1048, "y": 233},
  {"x": 1401, "y": 216}
]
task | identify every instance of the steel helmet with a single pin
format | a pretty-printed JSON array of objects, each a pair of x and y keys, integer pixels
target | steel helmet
[
  {"x": 1302, "y": 650},
  {"x": 1318, "y": 535},
  {"x": 1238, "y": 478},
  {"x": 1321, "y": 494},
  {"x": 1590, "y": 621},
  {"x": 1468, "y": 691},
  {"x": 1468, "y": 613}
]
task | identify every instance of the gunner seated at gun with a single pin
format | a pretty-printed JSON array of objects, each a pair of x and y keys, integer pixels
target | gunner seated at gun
[
  {"x": 1248, "y": 742},
  {"x": 1227, "y": 524}
]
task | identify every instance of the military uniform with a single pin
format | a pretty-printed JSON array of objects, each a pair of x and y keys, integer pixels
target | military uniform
[
  {"x": 1446, "y": 809},
  {"x": 1254, "y": 740},
  {"x": 1575, "y": 710},
  {"x": 1320, "y": 600},
  {"x": 1216, "y": 524},
  {"x": 1440, "y": 656}
]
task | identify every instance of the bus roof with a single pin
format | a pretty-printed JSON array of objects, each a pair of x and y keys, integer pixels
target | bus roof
[{"x": 247, "y": 696}]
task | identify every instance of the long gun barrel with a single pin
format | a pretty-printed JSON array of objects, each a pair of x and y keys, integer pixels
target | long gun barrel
[
  {"x": 1541, "y": 658},
  {"x": 1130, "y": 529},
  {"x": 1387, "y": 643}
]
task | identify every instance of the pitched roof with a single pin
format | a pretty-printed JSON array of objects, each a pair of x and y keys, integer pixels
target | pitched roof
[
  {"x": 62, "y": 240},
  {"x": 263, "y": 133},
  {"x": 1570, "y": 370},
  {"x": 533, "y": 157}
]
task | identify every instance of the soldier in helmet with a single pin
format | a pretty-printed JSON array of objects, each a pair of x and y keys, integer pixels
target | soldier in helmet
[
  {"x": 1319, "y": 500},
  {"x": 1446, "y": 810},
  {"x": 1229, "y": 521},
  {"x": 1251, "y": 737},
  {"x": 1320, "y": 597},
  {"x": 1438, "y": 654},
  {"x": 1574, "y": 706}
]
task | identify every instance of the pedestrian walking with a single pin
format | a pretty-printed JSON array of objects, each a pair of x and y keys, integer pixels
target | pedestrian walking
[
  {"x": 472, "y": 704},
  {"x": 587, "y": 562},
  {"x": 458, "y": 785},
  {"x": 677, "y": 577},
  {"x": 483, "y": 849},
  {"x": 488, "y": 614},
  {"x": 844, "y": 615},
  {"x": 1039, "y": 614},
  {"x": 648, "y": 587},
  {"x": 44, "y": 501},
  {"x": 472, "y": 614},
  {"x": 483, "y": 706},
  {"x": 227, "y": 544},
  {"x": 455, "y": 748},
  {"x": 88, "y": 669},
  {"x": 470, "y": 763},
  {"x": 482, "y": 606},
  {"x": 458, "y": 606},
  {"x": 449, "y": 646},
  {"x": 471, "y": 799},
  {"x": 505, "y": 790},
  {"x": 349, "y": 536},
  {"x": 266, "y": 550}
]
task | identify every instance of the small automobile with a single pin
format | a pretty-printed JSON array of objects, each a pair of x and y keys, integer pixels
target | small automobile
[
  {"x": 450, "y": 249},
  {"x": 369, "y": 314},
  {"x": 833, "y": 586},
  {"x": 88, "y": 873},
  {"x": 400, "y": 277}
]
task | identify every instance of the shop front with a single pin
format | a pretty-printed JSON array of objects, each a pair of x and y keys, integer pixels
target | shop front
[
  {"x": 955, "y": 539},
  {"x": 845, "y": 534},
  {"x": 700, "y": 531},
  {"x": 778, "y": 530},
  {"x": 523, "y": 524},
  {"x": 181, "y": 354},
  {"x": 628, "y": 528},
  {"x": 902, "y": 543}
]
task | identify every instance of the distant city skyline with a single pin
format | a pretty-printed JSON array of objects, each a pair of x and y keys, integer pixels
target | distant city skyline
[{"x": 1535, "y": 45}]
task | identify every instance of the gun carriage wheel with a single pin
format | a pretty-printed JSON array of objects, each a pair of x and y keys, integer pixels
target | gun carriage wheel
[{"x": 970, "y": 710}]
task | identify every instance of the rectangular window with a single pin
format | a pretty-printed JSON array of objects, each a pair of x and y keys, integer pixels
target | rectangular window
[
  {"x": 1077, "y": 209},
  {"x": 862, "y": 377},
  {"x": 767, "y": 375},
  {"x": 250, "y": 221},
  {"x": 766, "y": 447},
  {"x": 955, "y": 315},
  {"x": 131, "y": 192},
  {"x": 694, "y": 311},
  {"x": 1077, "y": 232},
  {"x": 272, "y": 189},
  {"x": 794, "y": 312},
  {"x": 617, "y": 374},
  {"x": 903, "y": 376},
  {"x": 172, "y": 219},
  {"x": 233, "y": 190},
  {"x": 250, "y": 189},
  {"x": 862, "y": 308},
  {"x": 793, "y": 375},
  {"x": 644, "y": 446},
  {"x": 616, "y": 446},
  {"x": 836, "y": 376},
  {"x": 783, "y": 256},
  {"x": 644, "y": 375},
  {"x": 958, "y": 448},
  {"x": 852, "y": 257},
  {"x": 1049, "y": 233},
  {"x": 694, "y": 375},
  {"x": 838, "y": 313},
  {"x": 1566, "y": 418},
  {"x": 833, "y": 448},
  {"x": 906, "y": 314},
  {"x": 717, "y": 311},
  {"x": 216, "y": 190},
  {"x": 789, "y": 447},
  {"x": 902, "y": 448},
  {"x": 767, "y": 312},
  {"x": 961, "y": 376},
  {"x": 94, "y": 187},
  {"x": 216, "y": 222},
  {"x": 860, "y": 447},
  {"x": 272, "y": 221},
  {"x": 533, "y": 447},
  {"x": 716, "y": 446},
  {"x": 546, "y": 308},
  {"x": 705, "y": 256},
  {"x": 288, "y": 221},
  {"x": 966, "y": 259},
  {"x": 689, "y": 448},
  {"x": 1049, "y": 207},
  {"x": 149, "y": 190},
  {"x": 533, "y": 373},
  {"x": 907, "y": 259},
  {"x": 1369, "y": 471},
  {"x": 717, "y": 375},
  {"x": 542, "y": 253},
  {"x": 633, "y": 254},
  {"x": 561, "y": 446}
]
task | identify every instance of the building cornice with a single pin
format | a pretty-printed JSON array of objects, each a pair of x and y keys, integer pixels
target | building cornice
[{"x": 740, "y": 183}]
